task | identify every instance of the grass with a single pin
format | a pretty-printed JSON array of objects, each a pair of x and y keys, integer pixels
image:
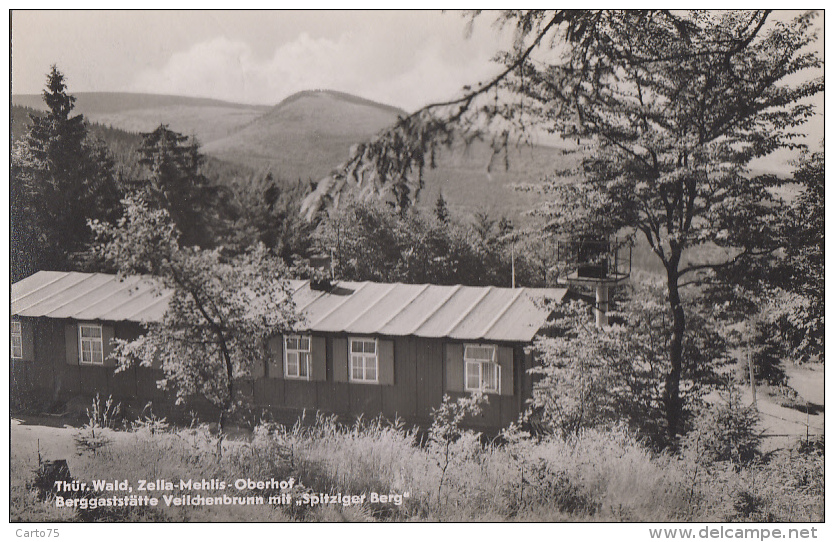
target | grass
[{"x": 598, "y": 475}]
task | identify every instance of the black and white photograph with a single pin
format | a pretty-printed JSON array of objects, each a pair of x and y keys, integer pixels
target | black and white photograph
[{"x": 437, "y": 266}]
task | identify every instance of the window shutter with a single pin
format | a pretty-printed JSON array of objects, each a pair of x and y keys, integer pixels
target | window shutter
[
  {"x": 107, "y": 335},
  {"x": 454, "y": 367},
  {"x": 386, "y": 362},
  {"x": 28, "y": 337},
  {"x": 340, "y": 359},
  {"x": 318, "y": 353},
  {"x": 275, "y": 345},
  {"x": 71, "y": 335},
  {"x": 505, "y": 361}
]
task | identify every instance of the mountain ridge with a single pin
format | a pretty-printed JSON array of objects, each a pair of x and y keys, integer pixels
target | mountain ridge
[
  {"x": 343, "y": 95},
  {"x": 109, "y": 101},
  {"x": 206, "y": 119},
  {"x": 308, "y": 134}
]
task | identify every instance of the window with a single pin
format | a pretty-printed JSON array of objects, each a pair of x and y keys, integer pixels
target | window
[
  {"x": 482, "y": 371},
  {"x": 17, "y": 340},
  {"x": 363, "y": 360},
  {"x": 91, "y": 349},
  {"x": 297, "y": 357}
]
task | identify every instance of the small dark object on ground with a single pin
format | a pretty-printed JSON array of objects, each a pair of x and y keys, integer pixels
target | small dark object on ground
[{"x": 47, "y": 474}]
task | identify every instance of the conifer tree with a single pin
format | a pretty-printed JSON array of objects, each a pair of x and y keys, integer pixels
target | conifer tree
[
  {"x": 441, "y": 209},
  {"x": 60, "y": 179},
  {"x": 177, "y": 184}
]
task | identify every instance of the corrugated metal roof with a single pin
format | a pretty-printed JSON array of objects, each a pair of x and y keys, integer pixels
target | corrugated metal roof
[
  {"x": 360, "y": 308},
  {"x": 85, "y": 296}
]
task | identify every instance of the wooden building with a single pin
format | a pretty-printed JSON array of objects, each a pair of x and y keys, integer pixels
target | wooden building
[{"x": 366, "y": 348}]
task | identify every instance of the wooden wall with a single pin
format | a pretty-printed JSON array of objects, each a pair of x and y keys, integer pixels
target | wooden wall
[
  {"x": 420, "y": 380},
  {"x": 49, "y": 375}
]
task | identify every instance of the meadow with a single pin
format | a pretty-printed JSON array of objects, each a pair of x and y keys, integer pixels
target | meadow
[{"x": 445, "y": 474}]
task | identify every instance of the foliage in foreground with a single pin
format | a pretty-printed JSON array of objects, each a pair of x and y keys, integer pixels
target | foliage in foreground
[
  {"x": 219, "y": 315},
  {"x": 594, "y": 377},
  {"x": 590, "y": 475},
  {"x": 668, "y": 110}
]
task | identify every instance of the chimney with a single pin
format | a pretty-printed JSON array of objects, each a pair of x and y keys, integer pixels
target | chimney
[{"x": 321, "y": 274}]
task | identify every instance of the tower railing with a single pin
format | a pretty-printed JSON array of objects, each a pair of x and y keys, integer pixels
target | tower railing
[
  {"x": 594, "y": 259},
  {"x": 598, "y": 262}
]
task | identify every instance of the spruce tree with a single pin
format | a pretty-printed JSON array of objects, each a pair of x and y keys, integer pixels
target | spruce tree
[
  {"x": 441, "y": 209},
  {"x": 176, "y": 183},
  {"x": 60, "y": 179}
]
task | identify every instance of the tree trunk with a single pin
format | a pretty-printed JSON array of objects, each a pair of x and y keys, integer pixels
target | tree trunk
[
  {"x": 230, "y": 400},
  {"x": 229, "y": 403},
  {"x": 671, "y": 397},
  {"x": 220, "y": 423},
  {"x": 230, "y": 380}
]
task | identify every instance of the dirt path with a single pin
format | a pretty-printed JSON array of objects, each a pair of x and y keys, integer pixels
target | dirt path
[
  {"x": 808, "y": 381},
  {"x": 54, "y": 439},
  {"x": 31, "y": 435},
  {"x": 782, "y": 426}
]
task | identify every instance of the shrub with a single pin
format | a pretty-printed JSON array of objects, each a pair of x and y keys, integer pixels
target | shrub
[
  {"x": 727, "y": 431},
  {"x": 595, "y": 377},
  {"x": 448, "y": 443},
  {"x": 766, "y": 351},
  {"x": 787, "y": 487},
  {"x": 104, "y": 415},
  {"x": 102, "y": 419},
  {"x": 149, "y": 422}
]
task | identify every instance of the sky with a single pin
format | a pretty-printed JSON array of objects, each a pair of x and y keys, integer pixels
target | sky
[{"x": 403, "y": 58}]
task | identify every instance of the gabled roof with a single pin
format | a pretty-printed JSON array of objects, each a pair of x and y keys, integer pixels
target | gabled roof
[{"x": 359, "y": 308}]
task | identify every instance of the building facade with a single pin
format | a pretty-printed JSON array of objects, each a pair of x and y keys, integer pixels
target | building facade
[{"x": 364, "y": 349}]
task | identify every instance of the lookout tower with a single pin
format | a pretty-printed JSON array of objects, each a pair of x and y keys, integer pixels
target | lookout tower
[{"x": 596, "y": 262}]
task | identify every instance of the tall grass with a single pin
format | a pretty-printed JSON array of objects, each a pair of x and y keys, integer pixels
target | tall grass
[{"x": 593, "y": 476}]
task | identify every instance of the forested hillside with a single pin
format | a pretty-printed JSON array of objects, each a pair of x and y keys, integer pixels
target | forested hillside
[
  {"x": 203, "y": 118},
  {"x": 307, "y": 135},
  {"x": 124, "y": 144},
  {"x": 231, "y": 204}
]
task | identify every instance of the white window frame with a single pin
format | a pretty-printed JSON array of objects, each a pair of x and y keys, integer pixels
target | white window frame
[
  {"x": 366, "y": 358},
  {"x": 16, "y": 340},
  {"x": 299, "y": 352},
  {"x": 92, "y": 341},
  {"x": 479, "y": 367}
]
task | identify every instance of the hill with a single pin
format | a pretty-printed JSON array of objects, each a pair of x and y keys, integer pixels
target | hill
[
  {"x": 311, "y": 132},
  {"x": 306, "y": 135},
  {"x": 124, "y": 146},
  {"x": 472, "y": 179},
  {"x": 20, "y": 120},
  {"x": 205, "y": 118}
]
